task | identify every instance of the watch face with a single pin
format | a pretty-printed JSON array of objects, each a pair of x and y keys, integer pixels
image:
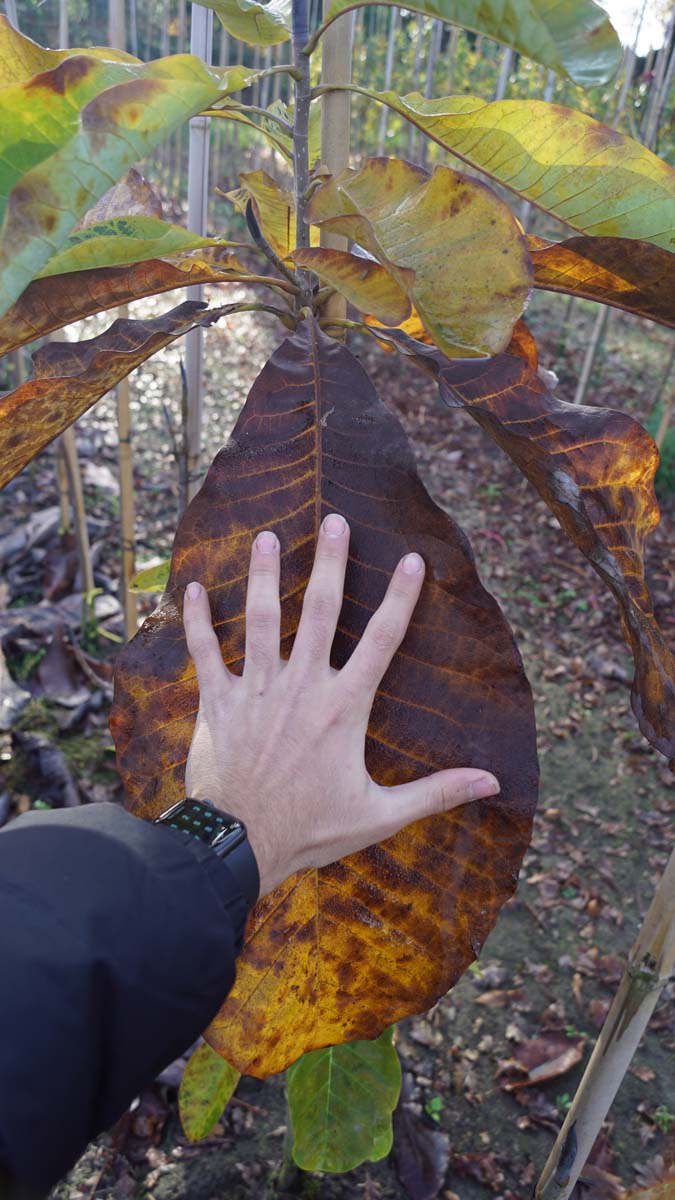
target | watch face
[{"x": 206, "y": 823}]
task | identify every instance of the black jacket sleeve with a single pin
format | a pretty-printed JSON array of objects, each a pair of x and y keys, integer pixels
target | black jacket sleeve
[{"x": 117, "y": 947}]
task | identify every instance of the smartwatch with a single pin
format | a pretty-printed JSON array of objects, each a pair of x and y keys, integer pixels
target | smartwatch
[{"x": 225, "y": 834}]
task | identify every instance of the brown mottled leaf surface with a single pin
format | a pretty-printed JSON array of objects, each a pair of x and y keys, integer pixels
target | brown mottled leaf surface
[
  {"x": 49, "y": 304},
  {"x": 595, "y": 469},
  {"x": 341, "y": 953},
  {"x": 71, "y": 376},
  {"x": 635, "y": 276}
]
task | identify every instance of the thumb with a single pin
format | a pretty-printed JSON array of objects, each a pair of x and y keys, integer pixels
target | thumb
[{"x": 442, "y": 792}]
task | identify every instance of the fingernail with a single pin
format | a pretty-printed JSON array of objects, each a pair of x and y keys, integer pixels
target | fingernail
[
  {"x": 266, "y": 542},
  {"x": 334, "y": 525},
  {"x": 483, "y": 786},
  {"x": 193, "y": 590},
  {"x": 412, "y": 564}
]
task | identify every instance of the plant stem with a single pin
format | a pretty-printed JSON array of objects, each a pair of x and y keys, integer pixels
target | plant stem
[
  {"x": 301, "y": 141},
  {"x": 336, "y": 68}
]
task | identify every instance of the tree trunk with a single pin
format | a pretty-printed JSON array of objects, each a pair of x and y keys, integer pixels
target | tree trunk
[
  {"x": 201, "y": 44},
  {"x": 63, "y": 24},
  {"x": 451, "y": 56},
  {"x": 597, "y": 338},
  {"x": 504, "y": 73}
]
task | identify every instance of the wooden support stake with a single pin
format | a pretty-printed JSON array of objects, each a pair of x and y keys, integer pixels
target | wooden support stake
[
  {"x": 336, "y": 68},
  {"x": 650, "y": 964}
]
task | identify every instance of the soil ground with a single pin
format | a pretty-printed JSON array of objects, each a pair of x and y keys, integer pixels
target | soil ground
[{"x": 601, "y": 838}]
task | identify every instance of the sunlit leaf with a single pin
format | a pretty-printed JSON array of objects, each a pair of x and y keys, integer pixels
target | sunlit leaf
[
  {"x": 635, "y": 276},
  {"x": 151, "y": 579},
  {"x": 363, "y": 282},
  {"x": 47, "y": 304},
  {"x": 71, "y": 376},
  {"x": 595, "y": 469},
  {"x": 384, "y": 932},
  {"x": 69, "y": 133},
  {"x": 273, "y": 208},
  {"x": 119, "y": 242},
  {"x": 207, "y": 1086},
  {"x": 21, "y": 58},
  {"x": 258, "y": 24},
  {"x": 596, "y": 180},
  {"x": 340, "y": 1101},
  {"x": 571, "y": 37},
  {"x": 472, "y": 272}
]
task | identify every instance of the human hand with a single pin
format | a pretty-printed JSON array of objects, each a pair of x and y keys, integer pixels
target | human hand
[{"x": 282, "y": 746}]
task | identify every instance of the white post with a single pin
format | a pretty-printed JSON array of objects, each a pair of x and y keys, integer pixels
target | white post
[{"x": 201, "y": 44}]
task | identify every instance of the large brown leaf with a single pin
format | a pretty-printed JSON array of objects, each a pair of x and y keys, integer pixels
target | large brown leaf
[
  {"x": 49, "y": 304},
  {"x": 71, "y": 376},
  {"x": 635, "y": 276},
  {"x": 341, "y": 953},
  {"x": 595, "y": 469}
]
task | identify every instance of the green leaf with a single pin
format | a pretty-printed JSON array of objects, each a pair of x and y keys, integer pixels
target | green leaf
[
  {"x": 340, "y": 1101},
  {"x": 207, "y": 1086},
  {"x": 121, "y": 241},
  {"x": 21, "y": 58},
  {"x": 151, "y": 579},
  {"x": 594, "y": 179},
  {"x": 254, "y": 23},
  {"x": 68, "y": 134},
  {"x": 572, "y": 37}
]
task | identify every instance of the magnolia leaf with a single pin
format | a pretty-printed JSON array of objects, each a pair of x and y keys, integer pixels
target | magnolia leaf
[
  {"x": 273, "y": 207},
  {"x": 151, "y": 579},
  {"x": 472, "y": 272},
  {"x": 365, "y": 283},
  {"x": 47, "y": 305},
  {"x": 121, "y": 241},
  {"x": 341, "y": 953},
  {"x": 341, "y": 1101},
  {"x": 207, "y": 1086},
  {"x": 595, "y": 469},
  {"x": 66, "y": 134},
  {"x": 594, "y": 179},
  {"x": 71, "y": 376},
  {"x": 257, "y": 24},
  {"x": 21, "y": 58},
  {"x": 635, "y": 276},
  {"x": 571, "y": 37},
  {"x": 132, "y": 196},
  {"x": 271, "y": 132}
]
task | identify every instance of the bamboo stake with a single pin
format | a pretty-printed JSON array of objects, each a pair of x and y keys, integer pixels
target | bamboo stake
[
  {"x": 10, "y": 10},
  {"x": 666, "y": 414},
  {"x": 118, "y": 39},
  {"x": 388, "y": 73},
  {"x": 451, "y": 57},
  {"x": 336, "y": 68},
  {"x": 63, "y": 23},
  {"x": 597, "y": 338},
  {"x": 79, "y": 513},
  {"x": 435, "y": 37},
  {"x": 201, "y": 44},
  {"x": 650, "y": 964},
  {"x": 417, "y": 70}
]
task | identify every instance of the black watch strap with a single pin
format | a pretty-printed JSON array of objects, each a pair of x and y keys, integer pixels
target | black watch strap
[{"x": 224, "y": 833}]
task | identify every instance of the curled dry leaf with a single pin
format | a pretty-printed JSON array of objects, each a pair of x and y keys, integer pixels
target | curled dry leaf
[
  {"x": 635, "y": 276},
  {"x": 340, "y": 954},
  {"x": 71, "y": 376},
  {"x": 538, "y": 1060},
  {"x": 595, "y": 469},
  {"x": 49, "y": 304}
]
